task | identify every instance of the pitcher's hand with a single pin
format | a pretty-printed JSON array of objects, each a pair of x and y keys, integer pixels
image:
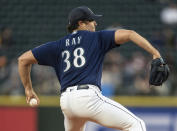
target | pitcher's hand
[{"x": 31, "y": 94}]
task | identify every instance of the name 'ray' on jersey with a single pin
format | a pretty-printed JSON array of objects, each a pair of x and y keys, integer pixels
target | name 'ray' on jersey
[{"x": 73, "y": 41}]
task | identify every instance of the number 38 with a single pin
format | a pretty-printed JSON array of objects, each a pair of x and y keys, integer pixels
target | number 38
[{"x": 78, "y": 54}]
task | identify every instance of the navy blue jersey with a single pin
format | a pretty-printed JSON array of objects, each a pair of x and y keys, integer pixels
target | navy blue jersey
[{"x": 78, "y": 57}]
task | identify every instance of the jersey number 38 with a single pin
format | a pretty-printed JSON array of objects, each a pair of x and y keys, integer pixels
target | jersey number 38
[{"x": 78, "y": 61}]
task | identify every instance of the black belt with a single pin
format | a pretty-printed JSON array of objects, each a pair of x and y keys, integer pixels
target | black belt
[{"x": 79, "y": 87}]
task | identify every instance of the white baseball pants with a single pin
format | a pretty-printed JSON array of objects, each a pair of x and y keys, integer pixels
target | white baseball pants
[{"x": 80, "y": 106}]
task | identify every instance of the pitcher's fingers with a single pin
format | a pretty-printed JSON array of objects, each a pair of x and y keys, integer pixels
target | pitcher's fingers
[
  {"x": 27, "y": 100},
  {"x": 38, "y": 100}
]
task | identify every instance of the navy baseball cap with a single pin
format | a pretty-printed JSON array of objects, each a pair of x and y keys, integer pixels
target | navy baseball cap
[{"x": 82, "y": 13}]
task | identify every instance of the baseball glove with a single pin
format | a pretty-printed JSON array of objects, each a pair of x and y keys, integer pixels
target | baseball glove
[{"x": 159, "y": 72}]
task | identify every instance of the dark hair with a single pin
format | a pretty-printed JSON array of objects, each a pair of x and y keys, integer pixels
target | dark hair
[
  {"x": 71, "y": 27},
  {"x": 75, "y": 25}
]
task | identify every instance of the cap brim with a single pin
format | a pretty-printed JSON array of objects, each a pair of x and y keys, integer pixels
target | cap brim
[{"x": 96, "y": 17}]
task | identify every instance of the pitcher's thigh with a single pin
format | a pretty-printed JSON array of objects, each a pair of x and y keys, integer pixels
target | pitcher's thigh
[
  {"x": 74, "y": 124},
  {"x": 114, "y": 115}
]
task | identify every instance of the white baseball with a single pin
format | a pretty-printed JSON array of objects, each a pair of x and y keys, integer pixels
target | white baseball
[{"x": 33, "y": 102}]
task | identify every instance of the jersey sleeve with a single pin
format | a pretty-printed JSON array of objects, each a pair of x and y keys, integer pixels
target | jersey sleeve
[
  {"x": 107, "y": 39},
  {"x": 46, "y": 54}
]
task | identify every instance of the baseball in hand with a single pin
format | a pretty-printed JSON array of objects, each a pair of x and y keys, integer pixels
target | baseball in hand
[{"x": 33, "y": 102}]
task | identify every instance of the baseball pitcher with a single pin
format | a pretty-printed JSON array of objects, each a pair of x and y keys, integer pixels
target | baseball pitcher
[{"x": 78, "y": 59}]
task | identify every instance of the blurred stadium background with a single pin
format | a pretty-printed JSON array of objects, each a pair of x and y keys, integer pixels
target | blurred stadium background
[{"x": 25, "y": 24}]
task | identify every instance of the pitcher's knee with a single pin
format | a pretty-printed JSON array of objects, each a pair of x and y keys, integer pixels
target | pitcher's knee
[
  {"x": 143, "y": 125},
  {"x": 137, "y": 125}
]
